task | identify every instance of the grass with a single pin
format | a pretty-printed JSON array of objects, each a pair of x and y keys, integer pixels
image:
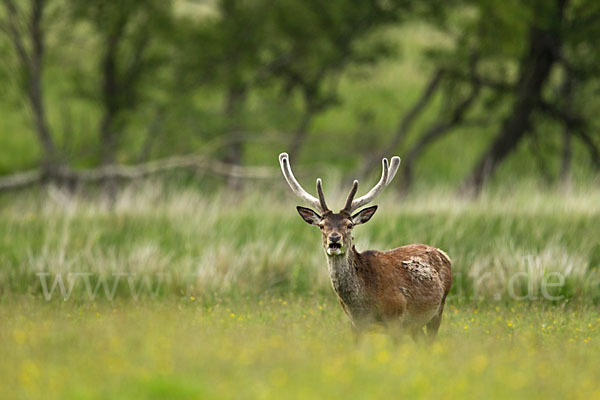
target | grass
[
  {"x": 290, "y": 347},
  {"x": 257, "y": 243},
  {"x": 241, "y": 305}
]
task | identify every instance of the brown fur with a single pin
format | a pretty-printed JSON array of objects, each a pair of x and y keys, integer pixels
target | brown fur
[{"x": 409, "y": 282}]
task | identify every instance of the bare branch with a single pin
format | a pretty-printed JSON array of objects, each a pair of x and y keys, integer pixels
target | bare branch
[
  {"x": 16, "y": 35},
  {"x": 438, "y": 129},
  {"x": 408, "y": 119},
  {"x": 556, "y": 112},
  {"x": 133, "y": 72},
  {"x": 484, "y": 81},
  {"x": 20, "y": 180},
  {"x": 577, "y": 125},
  {"x": 132, "y": 172}
]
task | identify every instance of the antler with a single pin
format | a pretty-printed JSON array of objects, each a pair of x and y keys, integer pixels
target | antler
[
  {"x": 284, "y": 160},
  {"x": 386, "y": 177},
  {"x": 348, "y": 205}
]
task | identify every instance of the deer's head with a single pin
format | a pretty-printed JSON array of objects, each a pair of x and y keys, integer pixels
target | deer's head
[{"x": 336, "y": 228}]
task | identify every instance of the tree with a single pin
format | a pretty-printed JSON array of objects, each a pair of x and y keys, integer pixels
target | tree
[
  {"x": 320, "y": 40},
  {"x": 226, "y": 50},
  {"x": 541, "y": 52},
  {"x": 24, "y": 27},
  {"x": 552, "y": 31},
  {"x": 293, "y": 46},
  {"x": 526, "y": 64},
  {"x": 127, "y": 58}
]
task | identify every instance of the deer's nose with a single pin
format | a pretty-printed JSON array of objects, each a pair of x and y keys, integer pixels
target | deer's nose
[{"x": 335, "y": 237}]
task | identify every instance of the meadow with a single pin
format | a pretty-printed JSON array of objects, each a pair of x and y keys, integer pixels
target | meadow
[{"x": 191, "y": 295}]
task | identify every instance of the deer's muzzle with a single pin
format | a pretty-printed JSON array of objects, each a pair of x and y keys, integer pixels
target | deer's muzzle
[{"x": 335, "y": 248}]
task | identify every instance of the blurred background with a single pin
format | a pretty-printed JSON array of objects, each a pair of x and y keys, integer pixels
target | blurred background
[{"x": 469, "y": 93}]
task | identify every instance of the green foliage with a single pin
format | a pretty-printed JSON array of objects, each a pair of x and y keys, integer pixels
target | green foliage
[{"x": 225, "y": 47}]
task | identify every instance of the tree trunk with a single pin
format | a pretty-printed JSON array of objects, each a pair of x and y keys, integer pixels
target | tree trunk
[
  {"x": 565, "y": 160},
  {"x": 110, "y": 98},
  {"x": 301, "y": 131},
  {"x": 567, "y": 148},
  {"x": 31, "y": 59},
  {"x": 154, "y": 130},
  {"x": 35, "y": 90},
  {"x": 234, "y": 154},
  {"x": 541, "y": 54},
  {"x": 111, "y": 94}
]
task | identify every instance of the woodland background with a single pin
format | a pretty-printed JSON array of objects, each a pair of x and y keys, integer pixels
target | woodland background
[{"x": 466, "y": 92}]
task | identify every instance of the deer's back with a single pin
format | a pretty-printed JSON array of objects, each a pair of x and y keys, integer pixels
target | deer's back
[{"x": 412, "y": 280}]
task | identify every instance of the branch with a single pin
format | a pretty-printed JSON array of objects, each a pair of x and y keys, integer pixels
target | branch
[
  {"x": 15, "y": 35},
  {"x": 133, "y": 72},
  {"x": 128, "y": 172},
  {"x": 417, "y": 108},
  {"x": 435, "y": 132},
  {"x": 536, "y": 154},
  {"x": 456, "y": 117},
  {"x": 553, "y": 111},
  {"x": 407, "y": 120},
  {"x": 482, "y": 80},
  {"x": 20, "y": 180},
  {"x": 591, "y": 146},
  {"x": 132, "y": 172},
  {"x": 578, "y": 126},
  {"x": 265, "y": 71}
]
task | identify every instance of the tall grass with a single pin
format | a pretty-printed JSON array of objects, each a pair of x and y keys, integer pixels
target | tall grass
[{"x": 182, "y": 242}]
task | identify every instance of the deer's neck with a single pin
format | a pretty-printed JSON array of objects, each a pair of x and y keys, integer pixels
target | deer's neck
[{"x": 345, "y": 280}]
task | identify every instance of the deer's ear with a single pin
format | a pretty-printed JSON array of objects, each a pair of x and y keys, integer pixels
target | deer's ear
[
  {"x": 309, "y": 215},
  {"x": 363, "y": 215}
]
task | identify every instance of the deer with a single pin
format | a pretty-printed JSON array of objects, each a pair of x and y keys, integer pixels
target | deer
[{"x": 404, "y": 288}]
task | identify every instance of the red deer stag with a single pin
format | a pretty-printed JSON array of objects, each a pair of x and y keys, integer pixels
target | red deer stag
[{"x": 404, "y": 288}]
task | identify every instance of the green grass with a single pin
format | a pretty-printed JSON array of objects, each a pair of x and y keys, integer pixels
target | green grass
[
  {"x": 257, "y": 243},
  {"x": 245, "y": 309},
  {"x": 290, "y": 347}
]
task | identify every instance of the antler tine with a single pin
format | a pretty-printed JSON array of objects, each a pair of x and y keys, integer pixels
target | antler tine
[
  {"x": 387, "y": 175},
  {"x": 321, "y": 195},
  {"x": 394, "y": 165},
  {"x": 348, "y": 205},
  {"x": 284, "y": 161}
]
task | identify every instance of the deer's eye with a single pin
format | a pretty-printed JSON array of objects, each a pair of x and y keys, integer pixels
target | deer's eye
[
  {"x": 321, "y": 226},
  {"x": 350, "y": 225}
]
